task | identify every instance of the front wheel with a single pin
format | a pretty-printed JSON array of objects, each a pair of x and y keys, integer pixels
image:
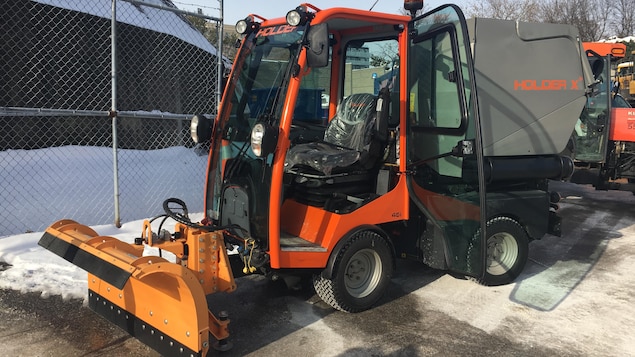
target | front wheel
[
  {"x": 507, "y": 251},
  {"x": 361, "y": 273}
]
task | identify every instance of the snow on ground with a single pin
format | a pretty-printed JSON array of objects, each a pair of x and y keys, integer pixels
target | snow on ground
[
  {"x": 34, "y": 269},
  {"x": 73, "y": 182},
  {"x": 575, "y": 295},
  {"x": 576, "y": 292},
  {"x": 76, "y": 182}
]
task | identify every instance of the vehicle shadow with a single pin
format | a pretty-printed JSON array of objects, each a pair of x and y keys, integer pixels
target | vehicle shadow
[
  {"x": 557, "y": 265},
  {"x": 262, "y": 311}
]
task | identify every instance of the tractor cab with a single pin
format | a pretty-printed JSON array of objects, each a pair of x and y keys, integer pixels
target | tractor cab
[
  {"x": 337, "y": 127},
  {"x": 602, "y": 143}
]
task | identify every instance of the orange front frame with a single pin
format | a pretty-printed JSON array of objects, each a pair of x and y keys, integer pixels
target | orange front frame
[
  {"x": 622, "y": 124},
  {"x": 327, "y": 228},
  {"x": 315, "y": 224}
]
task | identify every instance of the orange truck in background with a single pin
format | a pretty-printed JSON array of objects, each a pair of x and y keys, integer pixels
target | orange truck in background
[{"x": 603, "y": 142}]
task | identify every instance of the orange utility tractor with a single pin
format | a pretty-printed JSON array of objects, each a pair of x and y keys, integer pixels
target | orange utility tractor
[
  {"x": 603, "y": 141},
  {"x": 345, "y": 140}
]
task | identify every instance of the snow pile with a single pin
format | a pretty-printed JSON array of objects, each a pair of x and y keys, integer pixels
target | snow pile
[
  {"x": 150, "y": 18},
  {"x": 35, "y": 269},
  {"x": 76, "y": 182},
  {"x": 615, "y": 39}
]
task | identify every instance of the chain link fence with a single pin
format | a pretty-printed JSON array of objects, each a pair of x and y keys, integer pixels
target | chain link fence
[{"x": 95, "y": 113}]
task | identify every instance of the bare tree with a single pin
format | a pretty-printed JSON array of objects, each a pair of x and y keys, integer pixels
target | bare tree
[
  {"x": 623, "y": 23},
  {"x": 524, "y": 10},
  {"x": 210, "y": 31},
  {"x": 589, "y": 16}
]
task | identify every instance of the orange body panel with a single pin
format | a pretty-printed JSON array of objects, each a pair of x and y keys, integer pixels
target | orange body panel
[
  {"x": 169, "y": 298},
  {"x": 622, "y": 124},
  {"x": 446, "y": 208},
  {"x": 321, "y": 227},
  {"x": 327, "y": 228},
  {"x": 605, "y": 48}
]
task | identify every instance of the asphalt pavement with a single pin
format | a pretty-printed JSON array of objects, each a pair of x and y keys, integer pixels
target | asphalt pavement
[{"x": 575, "y": 298}]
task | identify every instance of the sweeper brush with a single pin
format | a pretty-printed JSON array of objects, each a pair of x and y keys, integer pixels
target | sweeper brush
[{"x": 161, "y": 303}]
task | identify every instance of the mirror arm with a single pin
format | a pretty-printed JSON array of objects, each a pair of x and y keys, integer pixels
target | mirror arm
[{"x": 463, "y": 148}]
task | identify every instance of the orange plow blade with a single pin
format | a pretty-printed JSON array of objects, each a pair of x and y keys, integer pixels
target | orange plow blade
[{"x": 163, "y": 304}]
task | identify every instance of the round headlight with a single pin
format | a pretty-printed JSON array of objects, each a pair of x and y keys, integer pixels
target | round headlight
[
  {"x": 294, "y": 17},
  {"x": 257, "y": 133},
  {"x": 263, "y": 139},
  {"x": 200, "y": 129},
  {"x": 242, "y": 26}
]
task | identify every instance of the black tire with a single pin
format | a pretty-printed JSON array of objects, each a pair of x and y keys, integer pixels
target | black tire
[
  {"x": 507, "y": 251},
  {"x": 362, "y": 271}
]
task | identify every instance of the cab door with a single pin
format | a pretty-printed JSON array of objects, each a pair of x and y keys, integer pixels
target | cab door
[
  {"x": 443, "y": 146},
  {"x": 590, "y": 136}
]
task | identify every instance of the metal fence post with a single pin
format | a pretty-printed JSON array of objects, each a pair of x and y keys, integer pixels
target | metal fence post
[
  {"x": 219, "y": 49},
  {"x": 74, "y": 145},
  {"x": 113, "y": 112}
]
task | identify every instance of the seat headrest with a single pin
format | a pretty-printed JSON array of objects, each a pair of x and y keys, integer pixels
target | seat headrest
[{"x": 356, "y": 108}]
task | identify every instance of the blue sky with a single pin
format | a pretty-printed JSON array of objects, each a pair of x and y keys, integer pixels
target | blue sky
[{"x": 238, "y": 9}]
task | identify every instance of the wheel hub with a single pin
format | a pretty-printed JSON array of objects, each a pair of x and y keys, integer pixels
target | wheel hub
[
  {"x": 363, "y": 273},
  {"x": 502, "y": 253}
]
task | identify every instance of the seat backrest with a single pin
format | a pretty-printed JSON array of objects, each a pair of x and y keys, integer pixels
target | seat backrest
[{"x": 352, "y": 126}]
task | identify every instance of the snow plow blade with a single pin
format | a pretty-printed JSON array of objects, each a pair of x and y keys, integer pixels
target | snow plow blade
[{"x": 161, "y": 303}]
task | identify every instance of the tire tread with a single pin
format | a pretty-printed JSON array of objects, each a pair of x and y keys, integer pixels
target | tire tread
[{"x": 327, "y": 289}]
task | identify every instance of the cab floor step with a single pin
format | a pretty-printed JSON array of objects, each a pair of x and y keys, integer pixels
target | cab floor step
[{"x": 293, "y": 243}]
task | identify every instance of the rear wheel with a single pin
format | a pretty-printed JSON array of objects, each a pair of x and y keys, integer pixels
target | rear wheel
[
  {"x": 361, "y": 273},
  {"x": 507, "y": 251}
]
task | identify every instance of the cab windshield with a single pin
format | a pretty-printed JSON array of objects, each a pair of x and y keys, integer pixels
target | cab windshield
[
  {"x": 258, "y": 83},
  {"x": 255, "y": 93}
]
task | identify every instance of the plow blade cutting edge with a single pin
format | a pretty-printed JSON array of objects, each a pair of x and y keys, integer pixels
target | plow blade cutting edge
[{"x": 163, "y": 304}]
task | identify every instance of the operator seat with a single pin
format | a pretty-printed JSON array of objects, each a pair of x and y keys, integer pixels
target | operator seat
[{"x": 344, "y": 162}]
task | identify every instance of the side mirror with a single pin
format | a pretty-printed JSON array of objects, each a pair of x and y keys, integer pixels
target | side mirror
[
  {"x": 598, "y": 67},
  {"x": 413, "y": 6},
  {"x": 464, "y": 148},
  {"x": 318, "y": 46},
  {"x": 597, "y": 63}
]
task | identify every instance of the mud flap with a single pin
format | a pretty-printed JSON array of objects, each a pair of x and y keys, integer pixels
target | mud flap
[{"x": 163, "y": 304}]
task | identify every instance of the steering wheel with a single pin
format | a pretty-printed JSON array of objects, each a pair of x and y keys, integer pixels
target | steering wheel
[
  {"x": 297, "y": 124},
  {"x": 180, "y": 217}
]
